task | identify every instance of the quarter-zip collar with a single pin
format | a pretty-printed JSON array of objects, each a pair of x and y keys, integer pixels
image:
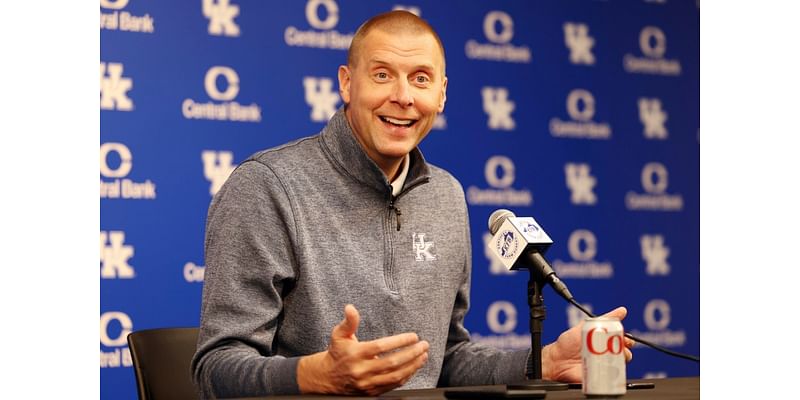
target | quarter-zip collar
[{"x": 339, "y": 142}]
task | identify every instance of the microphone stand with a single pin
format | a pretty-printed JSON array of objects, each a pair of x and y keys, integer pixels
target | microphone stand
[{"x": 534, "y": 380}]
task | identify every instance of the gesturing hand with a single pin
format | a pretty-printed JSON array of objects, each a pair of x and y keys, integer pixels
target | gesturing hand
[
  {"x": 353, "y": 367},
  {"x": 561, "y": 361}
]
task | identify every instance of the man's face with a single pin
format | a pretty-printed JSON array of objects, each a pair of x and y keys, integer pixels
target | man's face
[{"x": 393, "y": 93}]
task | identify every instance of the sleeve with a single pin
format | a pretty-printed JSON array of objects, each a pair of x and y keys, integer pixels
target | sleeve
[
  {"x": 249, "y": 263},
  {"x": 468, "y": 363}
]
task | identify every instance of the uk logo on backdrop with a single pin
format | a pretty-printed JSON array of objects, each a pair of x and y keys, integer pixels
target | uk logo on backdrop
[
  {"x": 581, "y": 183},
  {"x": 114, "y": 88},
  {"x": 322, "y": 16},
  {"x": 653, "y": 45},
  {"x": 217, "y": 167},
  {"x": 222, "y": 85},
  {"x": 581, "y": 108},
  {"x": 653, "y": 118},
  {"x": 655, "y": 255},
  {"x": 116, "y": 162},
  {"x": 114, "y": 329},
  {"x": 657, "y": 318},
  {"x": 117, "y": 19},
  {"x": 582, "y": 246},
  {"x": 501, "y": 318},
  {"x": 498, "y": 27},
  {"x": 321, "y": 97},
  {"x": 498, "y": 107},
  {"x": 114, "y": 256},
  {"x": 500, "y": 174},
  {"x": 579, "y": 43},
  {"x": 655, "y": 179},
  {"x": 221, "y": 16}
]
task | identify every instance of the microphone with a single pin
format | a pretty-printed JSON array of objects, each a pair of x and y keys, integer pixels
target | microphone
[{"x": 520, "y": 243}]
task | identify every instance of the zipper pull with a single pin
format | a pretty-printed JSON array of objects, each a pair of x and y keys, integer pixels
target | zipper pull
[{"x": 398, "y": 214}]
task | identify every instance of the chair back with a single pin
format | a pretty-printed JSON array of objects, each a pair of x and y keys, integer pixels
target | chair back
[{"x": 161, "y": 361}]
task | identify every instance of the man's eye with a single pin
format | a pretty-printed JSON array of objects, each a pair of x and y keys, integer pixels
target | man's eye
[
  {"x": 422, "y": 79},
  {"x": 381, "y": 75}
]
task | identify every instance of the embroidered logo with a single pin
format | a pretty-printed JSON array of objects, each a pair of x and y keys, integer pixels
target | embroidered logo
[{"x": 422, "y": 249}]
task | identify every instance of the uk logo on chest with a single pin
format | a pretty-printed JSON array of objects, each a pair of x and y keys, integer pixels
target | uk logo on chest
[{"x": 424, "y": 250}]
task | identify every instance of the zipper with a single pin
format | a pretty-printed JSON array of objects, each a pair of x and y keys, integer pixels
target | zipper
[{"x": 392, "y": 209}]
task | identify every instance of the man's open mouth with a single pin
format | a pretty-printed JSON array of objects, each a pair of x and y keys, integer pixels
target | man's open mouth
[{"x": 404, "y": 123}]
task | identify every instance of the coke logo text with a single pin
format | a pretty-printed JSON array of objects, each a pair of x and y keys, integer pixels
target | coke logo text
[{"x": 613, "y": 344}]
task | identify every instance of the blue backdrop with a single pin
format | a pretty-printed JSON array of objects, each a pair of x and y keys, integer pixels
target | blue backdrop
[{"x": 582, "y": 114}]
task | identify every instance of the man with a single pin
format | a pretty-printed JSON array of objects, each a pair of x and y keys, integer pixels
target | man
[{"x": 326, "y": 224}]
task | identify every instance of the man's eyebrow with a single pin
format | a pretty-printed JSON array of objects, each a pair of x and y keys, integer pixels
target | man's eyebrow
[{"x": 421, "y": 67}]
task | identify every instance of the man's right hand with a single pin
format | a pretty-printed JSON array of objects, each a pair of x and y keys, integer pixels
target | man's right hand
[{"x": 353, "y": 367}]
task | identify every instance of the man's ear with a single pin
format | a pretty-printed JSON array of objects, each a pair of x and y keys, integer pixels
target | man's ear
[
  {"x": 444, "y": 95},
  {"x": 344, "y": 83}
]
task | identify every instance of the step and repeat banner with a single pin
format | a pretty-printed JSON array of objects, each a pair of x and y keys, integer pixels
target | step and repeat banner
[{"x": 582, "y": 114}]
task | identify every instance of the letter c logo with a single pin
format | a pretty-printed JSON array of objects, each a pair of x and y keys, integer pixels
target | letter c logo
[{"x": 127, "y": 327}]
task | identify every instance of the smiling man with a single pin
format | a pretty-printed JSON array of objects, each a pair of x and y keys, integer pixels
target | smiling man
[{"x": 306, "y": 238}]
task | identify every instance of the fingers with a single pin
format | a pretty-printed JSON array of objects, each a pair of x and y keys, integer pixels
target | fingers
[
  {"x": 401, "y": 358},
  {"x": 387, "y": 344},
  {"x": 393, "y": 370},
  {"x": 628, "y": 355},
  {"x": 629, "y": 343},
  {"x": 619, "y": 313},
  {"x": 347, "y": 328}
]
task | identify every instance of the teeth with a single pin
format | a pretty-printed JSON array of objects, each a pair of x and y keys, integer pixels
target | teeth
[{"x": 399, "y": 121}]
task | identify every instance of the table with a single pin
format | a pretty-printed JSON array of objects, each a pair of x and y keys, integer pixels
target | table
[{"x": 687, "y": 388}]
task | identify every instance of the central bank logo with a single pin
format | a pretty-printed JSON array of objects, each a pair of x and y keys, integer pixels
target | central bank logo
[
  {"x": 500, "y": 175},
  {"x": 655, "y": 180},
  {"x": 121, "y": 20},
  {"x": 496, "y": 266},
  {"x": 498, "y": 27},
  {"x": 653, "y": 45},
  {"x": 655, "y": 254},
  {"x": 116, "y": 162},
  {"x": 422, "y": 249},
  {"x": 322, "y": 15},
  {"x": 498, "y": 107},
  {"x": 581, "y": 109},
  {"x": 217, "y": 167},
  {"x": 580, "y": 182},
  {"x": 502, "y": 320},
  {"x": 115, "y": 326},
  {"x": 114, "y": 88},
  {"x": 579, "y": 43},
  {"x": 321, "y": 97},
  {"x": 221, "y": 84},
  {"x": 657, "y": 318},
  {"x": 221, "y": 14},
  {"x": 114, "y": 256},
  {"x": 582, "y": 246},
  {"x": 194, "y": 273},
  {"x": 653, "y": 118}
]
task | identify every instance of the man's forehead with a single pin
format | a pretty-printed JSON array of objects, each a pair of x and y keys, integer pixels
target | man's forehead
[{"x": 422, "y": 48}]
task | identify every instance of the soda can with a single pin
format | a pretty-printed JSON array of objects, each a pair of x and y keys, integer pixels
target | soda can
[{"x": 603, "y": 355}]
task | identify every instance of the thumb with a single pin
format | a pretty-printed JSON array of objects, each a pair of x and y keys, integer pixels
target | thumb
[
  {"x": 347, "y": 328},
  {"x": 619, "y": 313}
]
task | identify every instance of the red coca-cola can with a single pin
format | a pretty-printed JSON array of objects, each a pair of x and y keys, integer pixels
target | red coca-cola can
[{"x": 603, "y": 354}]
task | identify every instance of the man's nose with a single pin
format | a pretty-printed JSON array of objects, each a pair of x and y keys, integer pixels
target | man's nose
[{"x": 401, "y": 93}]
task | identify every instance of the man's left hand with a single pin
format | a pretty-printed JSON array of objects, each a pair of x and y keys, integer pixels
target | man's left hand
[{"x": 561, "y": 361}]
